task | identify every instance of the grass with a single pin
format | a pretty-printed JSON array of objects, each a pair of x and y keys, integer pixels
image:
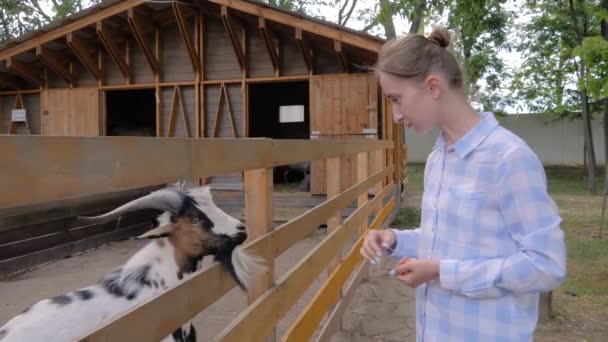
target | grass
[{"x": 580, "y": 304}]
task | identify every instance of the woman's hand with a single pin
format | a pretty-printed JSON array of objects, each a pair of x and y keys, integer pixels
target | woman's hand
[
  {"x": 376, "y": 242},
  {"x": 415, "y": 272}
]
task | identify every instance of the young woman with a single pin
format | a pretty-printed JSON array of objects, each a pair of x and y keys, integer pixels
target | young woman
[{"x": 490, "y": 237}]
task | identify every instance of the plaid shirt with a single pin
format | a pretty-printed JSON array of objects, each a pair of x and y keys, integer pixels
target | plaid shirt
[{"x": 487, "y": 218}]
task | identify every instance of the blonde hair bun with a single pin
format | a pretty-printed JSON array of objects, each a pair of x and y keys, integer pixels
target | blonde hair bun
[{"x": 440, "y": 36}]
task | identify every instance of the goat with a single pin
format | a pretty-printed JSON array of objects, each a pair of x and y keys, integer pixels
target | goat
[{"x": 190, "y": 227}]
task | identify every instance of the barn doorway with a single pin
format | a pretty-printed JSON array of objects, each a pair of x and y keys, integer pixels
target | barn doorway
[
  {"x": 131, "y": 112},
  {"x": 280, "y": 110}
]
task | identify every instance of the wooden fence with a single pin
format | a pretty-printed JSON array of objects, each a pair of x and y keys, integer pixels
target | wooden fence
[{"x": 38, "y": 169}]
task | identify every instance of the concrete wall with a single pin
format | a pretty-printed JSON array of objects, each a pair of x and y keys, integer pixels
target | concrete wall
[{"x": 556, "y": 143}]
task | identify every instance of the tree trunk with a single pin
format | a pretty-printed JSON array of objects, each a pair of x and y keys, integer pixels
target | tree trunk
[
  {"x": 591, "y": 164},
  {"x": 604, "y": 31},
  {"x": 417, "y": 16},
  {"x": 387, "y": 21}
]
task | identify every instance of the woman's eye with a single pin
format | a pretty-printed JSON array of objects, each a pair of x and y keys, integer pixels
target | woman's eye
[{"x": 196, "y": 220}]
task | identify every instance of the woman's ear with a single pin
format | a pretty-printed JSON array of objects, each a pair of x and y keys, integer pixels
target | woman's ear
[{"x": 434, "y": 85}]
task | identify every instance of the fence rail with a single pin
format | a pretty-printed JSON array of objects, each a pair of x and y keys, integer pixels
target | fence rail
[{"x": 37, "y": 169}]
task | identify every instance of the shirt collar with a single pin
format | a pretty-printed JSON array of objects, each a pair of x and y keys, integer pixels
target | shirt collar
[{"x": 473, "y": 138}]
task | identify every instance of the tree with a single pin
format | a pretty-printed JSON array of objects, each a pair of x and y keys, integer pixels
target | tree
[
  {"x": 19, "y": 17},
  {"x": 552, "y": 77}
]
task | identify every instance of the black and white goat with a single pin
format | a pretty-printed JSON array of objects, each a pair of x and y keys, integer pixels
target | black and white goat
[{"x": 190, "y": 227}]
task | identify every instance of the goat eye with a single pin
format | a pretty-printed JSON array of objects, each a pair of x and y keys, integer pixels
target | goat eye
[{"x": 196, "y": 220}]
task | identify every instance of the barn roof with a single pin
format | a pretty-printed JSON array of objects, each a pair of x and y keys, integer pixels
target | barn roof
[{"x": 108, "y": 8}]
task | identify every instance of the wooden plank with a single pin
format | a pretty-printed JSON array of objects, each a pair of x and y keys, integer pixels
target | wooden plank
[
  {"x": 270, "y": 14},
  {"x": 230, "y": 114},
  {"x": 24, "y": 262},
  {"x": 107, "y": 36},
  {"x": 55, "y": 62},
  {"x": 259, "y": 214},
  {"x": 185, "y": 34},
  {"x": 135, "y": 23},
  {"x": 25, "y": 71},
  {"x": 71, "y": 112},
  {"x": 166, "y": 312},
  {"x": 259, "y": 318},
  {"x": 65, "y": 234},
  {"x": 62, "y": 30},
  {"x": 78, "y": 47},
  {"x": 305, "y": 51},
  {"x": 159, "y": 113},
  {"x": 226, "y": 20},
  {"x": 272, "y": 50},
  {"x": 305, "y": 325},
  {"x": 334, "y": 320},
  {"x": 63, "y": 167}
]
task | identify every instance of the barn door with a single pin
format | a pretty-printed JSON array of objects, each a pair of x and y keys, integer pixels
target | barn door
[
  {"x": 71, "y": 112},
  {"x": 342, "y": 107}
]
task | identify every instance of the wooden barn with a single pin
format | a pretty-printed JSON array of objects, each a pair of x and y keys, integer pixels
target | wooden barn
[{"x": 199, "y": 69}]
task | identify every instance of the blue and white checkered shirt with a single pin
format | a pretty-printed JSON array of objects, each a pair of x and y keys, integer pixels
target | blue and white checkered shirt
[{"x": 487, "y": 218}]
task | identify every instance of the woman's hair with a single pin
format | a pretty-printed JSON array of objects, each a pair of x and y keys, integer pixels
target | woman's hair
[{"x": 415, "y": 56}]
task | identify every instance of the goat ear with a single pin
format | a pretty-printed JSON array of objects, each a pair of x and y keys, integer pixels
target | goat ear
[{"x": 159, "y": 232}]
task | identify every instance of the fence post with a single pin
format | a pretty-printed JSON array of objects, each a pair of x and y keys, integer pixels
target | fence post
[
  {"x": 333, "y": 189},
  {"x": 363, "y": 160},
  {"x": 259, "y": 216}
]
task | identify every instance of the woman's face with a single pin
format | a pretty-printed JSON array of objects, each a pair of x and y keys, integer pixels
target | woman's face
[{"x": 414, "y": 102}]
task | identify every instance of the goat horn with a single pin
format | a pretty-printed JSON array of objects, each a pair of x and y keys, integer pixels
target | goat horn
[{"x": 163, "y": 199}]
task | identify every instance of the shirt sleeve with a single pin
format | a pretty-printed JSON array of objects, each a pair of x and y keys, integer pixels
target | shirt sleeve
[
  {"x": 533, "y": 221},
  {"x": 406, "y": 243}
]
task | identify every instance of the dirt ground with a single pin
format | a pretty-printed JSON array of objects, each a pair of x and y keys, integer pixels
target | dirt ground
[{"x": 84, "y": 269}]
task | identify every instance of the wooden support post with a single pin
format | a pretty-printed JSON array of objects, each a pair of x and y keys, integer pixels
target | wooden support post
[
  {"x": 185, "y": 34},
  {"x": 25, "y": 71},
  {"x": 233, "y": 38},
  {"x": 272, "y": 51},
  {"x": 55, "y": 62},
  {"x": 107, "y": 36},
  {"x": 333, "y": 189},
  {"x": 136, "y": 23},
  {"x": 305, "y": 51},
  {"x": 362, "y": 174},
  {"x": 259, "y": 219},
  {"x": 159, "y": 113},
  {"x": 341, "y": 56},
  {"x": 378, "y": 164}
]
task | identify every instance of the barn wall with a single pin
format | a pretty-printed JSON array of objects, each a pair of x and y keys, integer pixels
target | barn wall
[
  {"x": 175, "y": 64},
  {"x": 31, "y": 103},
  {"x": 142, "y": 72},
  {"x": 259, "y": 63},
  {"x": 220, "y": 59},
  {"x": 187, "y": 95},
  {"x": 292, "y": 62}
]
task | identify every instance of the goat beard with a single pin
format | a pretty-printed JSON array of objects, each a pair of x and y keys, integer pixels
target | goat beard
[{"x": 240, "y": 264}]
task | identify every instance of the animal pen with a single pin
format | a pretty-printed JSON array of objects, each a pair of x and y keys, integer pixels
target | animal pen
[{"x": 128, "y": 96}]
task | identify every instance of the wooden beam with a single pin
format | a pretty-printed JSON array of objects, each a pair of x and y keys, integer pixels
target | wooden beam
[
  {"x": 340, "y": 54},
  {"x": 79, "y": 48},
  {"x": 61, "y": 31},
  {"x": 272, "y": 51},
  {"x": 240, "y": 56},
  {"x": 135, "y": 23},
  {"x": 107, "y": 37},
  {"x": 54, "y": 61},
  {"x": 360, "y": 41},
  {"x": 185, "y": 34},
  {"x": 305, "y": 50},
  {"x": 79, "y": 163},
  {"x": 25, "y": 71},
  {"x": 9, "y": 81}
]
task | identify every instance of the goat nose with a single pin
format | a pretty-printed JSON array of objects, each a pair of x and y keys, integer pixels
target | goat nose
[{"x": 240, "y": 227}]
